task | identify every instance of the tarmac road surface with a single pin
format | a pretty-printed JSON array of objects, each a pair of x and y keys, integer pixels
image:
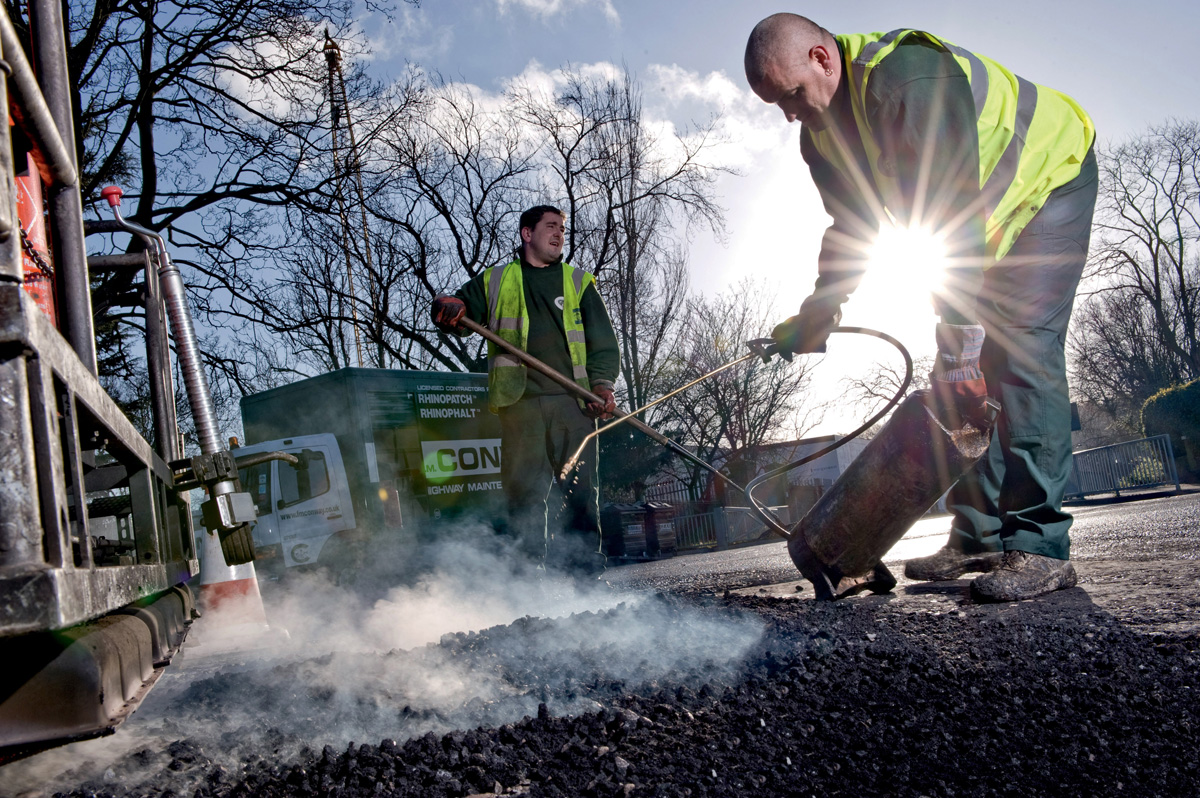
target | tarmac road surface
[
  {"x": 1138, "y": 557},
  {"x": 727, "y": 689}
]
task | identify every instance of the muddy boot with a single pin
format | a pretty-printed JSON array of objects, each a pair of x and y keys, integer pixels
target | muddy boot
[
  {"x": 1021, "y": 576},
  {"x": 949, "y": 563}
]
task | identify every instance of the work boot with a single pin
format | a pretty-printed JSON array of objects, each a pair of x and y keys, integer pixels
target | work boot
[
  {"x": 1022, "y": 575},
  {"x": 949, "y": 563}
]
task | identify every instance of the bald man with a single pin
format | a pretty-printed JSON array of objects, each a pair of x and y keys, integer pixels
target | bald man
[{"x": 907, "y": 128}]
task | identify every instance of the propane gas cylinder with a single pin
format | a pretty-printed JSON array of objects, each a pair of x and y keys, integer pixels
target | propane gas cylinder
[{"x": 914, "y": 459}]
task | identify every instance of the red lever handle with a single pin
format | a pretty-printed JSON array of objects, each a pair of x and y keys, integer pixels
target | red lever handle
[{"x": 113, "y": 195}]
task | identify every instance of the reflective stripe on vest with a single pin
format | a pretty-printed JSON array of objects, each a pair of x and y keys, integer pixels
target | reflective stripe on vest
[
  {"x": 1032, "y": 139},
  {"x": 508, "y": 317}
]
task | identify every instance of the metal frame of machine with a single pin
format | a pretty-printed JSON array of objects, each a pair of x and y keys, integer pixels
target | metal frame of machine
[{"x": 87, "y": 621}]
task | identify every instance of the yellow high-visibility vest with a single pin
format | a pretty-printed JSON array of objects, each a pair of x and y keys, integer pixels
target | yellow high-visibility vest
[
  {"x": 508, "y": 317},
  {"x": 1032, "y": 139}
]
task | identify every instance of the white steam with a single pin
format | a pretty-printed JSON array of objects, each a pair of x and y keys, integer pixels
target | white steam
[{"x": 365, "y": 664}]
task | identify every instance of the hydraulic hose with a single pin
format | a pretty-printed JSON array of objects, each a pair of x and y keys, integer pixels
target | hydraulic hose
[
  {"x": 622, "y": 417},
  {"x": 194, "y": 379},
  {"x": 760, "y": 348}
]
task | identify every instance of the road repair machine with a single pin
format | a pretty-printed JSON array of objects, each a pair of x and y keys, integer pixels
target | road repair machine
[{"x": 96, "y": 540}]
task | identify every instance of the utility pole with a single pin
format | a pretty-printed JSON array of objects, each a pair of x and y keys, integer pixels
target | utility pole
[{"x": 346, "y": 168}]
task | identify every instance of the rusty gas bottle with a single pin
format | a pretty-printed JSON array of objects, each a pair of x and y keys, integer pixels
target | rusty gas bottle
[{"x": 914, "y": 459}]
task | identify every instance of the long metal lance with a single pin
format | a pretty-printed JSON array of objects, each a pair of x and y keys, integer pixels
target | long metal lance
[
  {"x": 586, "y": 395},
  {"x": 573, "y": 459}
]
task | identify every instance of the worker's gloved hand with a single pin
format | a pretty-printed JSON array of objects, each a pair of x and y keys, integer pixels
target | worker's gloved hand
[
  {"x": 601, "y": 411},
  {"x": 806, "y": 332},
  {"x": 447, "y": 312},
  {"x": 957, "y": 387}
]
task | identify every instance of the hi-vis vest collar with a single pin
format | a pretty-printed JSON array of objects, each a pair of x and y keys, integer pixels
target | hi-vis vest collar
[
  {"x": 1032, "y": 139},
  {"x": 508, "y": 317}
]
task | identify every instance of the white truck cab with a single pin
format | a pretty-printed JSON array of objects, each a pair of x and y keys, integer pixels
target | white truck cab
[{"x": 300, "y": 508}]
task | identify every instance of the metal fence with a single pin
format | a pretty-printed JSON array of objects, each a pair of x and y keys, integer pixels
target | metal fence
[
  {"x": 674, "y": 493},
  {"x": 722, "y": 527},
  {"x": 695, "y": 531},
  {"x": 1144, "y": 463}
]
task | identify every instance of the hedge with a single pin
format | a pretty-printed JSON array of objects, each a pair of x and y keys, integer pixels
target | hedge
[{"x": 1174, "y": 411}]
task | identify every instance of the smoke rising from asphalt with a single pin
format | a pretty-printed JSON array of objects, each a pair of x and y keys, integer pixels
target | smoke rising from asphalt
[{"x": 478, "y": 636}]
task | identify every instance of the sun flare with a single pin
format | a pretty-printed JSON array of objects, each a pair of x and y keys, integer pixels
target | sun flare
[
  {"x": 905, "y": 268},
  {"x": 913, "y": 255}
]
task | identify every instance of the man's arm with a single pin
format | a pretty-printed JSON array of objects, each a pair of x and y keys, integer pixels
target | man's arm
[
  {"x": 840, "y": 264},
  {"x": 843, "y": 259},
  {"x": 469, "y": 301},
  {"x": 603, "y": 352},
  {"x": 474, "y": 295}
]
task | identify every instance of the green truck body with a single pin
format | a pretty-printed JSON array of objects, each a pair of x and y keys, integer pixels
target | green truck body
[{"x": 415, "y": 450}]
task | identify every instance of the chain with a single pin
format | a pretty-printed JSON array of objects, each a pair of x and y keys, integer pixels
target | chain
[{"x": 39, "y": 261}]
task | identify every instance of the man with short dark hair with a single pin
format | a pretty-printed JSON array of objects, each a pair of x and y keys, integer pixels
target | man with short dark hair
[
  {"x": 553, "y": 311},
  {"x": 907, "y": 128}
]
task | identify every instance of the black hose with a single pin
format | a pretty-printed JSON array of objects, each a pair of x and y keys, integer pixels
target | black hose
[
  {"x": 187, "y": 480},
  {"x": 767, "y": 516}
]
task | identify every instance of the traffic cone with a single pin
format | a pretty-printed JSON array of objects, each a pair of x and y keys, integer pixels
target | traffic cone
[
  {"x": 232, "y": 606},
  {"x": 228, "y": 590}
]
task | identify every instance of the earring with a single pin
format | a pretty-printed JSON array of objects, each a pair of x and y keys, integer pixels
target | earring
[{"x": 828, "y": 71}]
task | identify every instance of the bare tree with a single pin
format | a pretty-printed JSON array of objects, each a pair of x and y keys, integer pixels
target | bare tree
[
  {"x": 1136, "y": 329},
  {"x": 203, "y": 102},
  {"x": 880, "y": 384},
  {"x": 443, "y": 193},
  {"x": 463, "y": 175},
  {"x": 1118, "y": 360},
  {"x": 726, "y": 416},
  {"x": 211, "y": 115},
  {"x": 633, "y": 201}
]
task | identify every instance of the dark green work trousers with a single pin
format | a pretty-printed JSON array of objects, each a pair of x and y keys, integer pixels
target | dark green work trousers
[
  {"x": 1012, "y": 500},
  {"x": 537, "y": 435}
]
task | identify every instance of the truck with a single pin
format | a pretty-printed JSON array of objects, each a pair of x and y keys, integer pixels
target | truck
[
  {"x": 386, "y": 458},
  {"x": 96, "y": 539}
]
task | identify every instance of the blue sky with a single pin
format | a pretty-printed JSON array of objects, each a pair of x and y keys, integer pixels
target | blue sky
[
  {"x": 1100, "y": 52},
  {"x": 688, "y": 57}
]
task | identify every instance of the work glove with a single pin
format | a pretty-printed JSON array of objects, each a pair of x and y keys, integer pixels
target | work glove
[
  {"x": 806, "y": 332},
  {"x": 957, "y": 388},
  {"x": 447, "y": 312},
  {"x": 601, "y": 411}
]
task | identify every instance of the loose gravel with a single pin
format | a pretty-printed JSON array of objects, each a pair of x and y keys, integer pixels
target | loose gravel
[{"x": 720, "y": 695}]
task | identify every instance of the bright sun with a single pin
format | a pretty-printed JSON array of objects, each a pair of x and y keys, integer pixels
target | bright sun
[
  {"x": 904, "y": 269},
  {"x": 912, "y": 255}
]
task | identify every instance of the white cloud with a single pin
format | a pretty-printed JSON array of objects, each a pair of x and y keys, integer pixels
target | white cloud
[
  {"x": 549, "y": 8},
  {"x": 538, "y": 79},
  {"x": 715, "y": 87},
  {"x": 746, "y": 128},
  {"x": 675, "y": 101},
  {"x": 407, "y": 34}
]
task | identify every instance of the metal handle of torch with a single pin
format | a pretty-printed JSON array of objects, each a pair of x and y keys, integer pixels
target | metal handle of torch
[
  {"x": 586, "y": 395},
  {"x": 574, "y": 458},
  {"x": 181, "y": 329}
]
